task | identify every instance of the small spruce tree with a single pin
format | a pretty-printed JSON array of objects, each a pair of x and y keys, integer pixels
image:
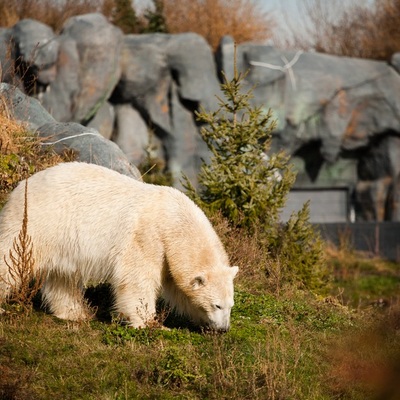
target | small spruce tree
[
  {"x": 249, "y": 186},
  {"x": 300, "y": 251},
  {"x": 155, "y": 18},
  {"x": 241, "y": 181}
]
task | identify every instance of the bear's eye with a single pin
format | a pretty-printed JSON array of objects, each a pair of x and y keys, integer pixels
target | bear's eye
[{"x": 218, "y": 307}]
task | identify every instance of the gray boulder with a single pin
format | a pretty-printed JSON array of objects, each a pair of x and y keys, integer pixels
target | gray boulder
[
  {"x": 395, "y": 62},
  {"x": 34, "y": 54},
  {"x": 35, "y": 43},
  {"x": 104, "y": 120},
  {"x": 145, "y": 78},
  {"x": 88, "y": 68},
  {"x": 7, "y": 57},
  {"x": 166, "y": 81},
  {"x": 88, "y": 145},
  {"x": 132, "y": 134},
  {"x": 22, "y": 108},
  {"x": 329, "y": 110},
  {"x": 59, "y": 98}
]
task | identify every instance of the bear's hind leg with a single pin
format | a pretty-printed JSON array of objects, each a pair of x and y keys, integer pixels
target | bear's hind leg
[
  {"x": 7, "y": 286},
  {"x": 4, "y": 290},
  {"x": 64, "y": 297}
]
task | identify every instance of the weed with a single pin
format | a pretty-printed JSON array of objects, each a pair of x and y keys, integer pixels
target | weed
[
  {"x": 153, "y": 168},
  {"x": 24, "y": 281},
  {"x": 173, "y": 369}
]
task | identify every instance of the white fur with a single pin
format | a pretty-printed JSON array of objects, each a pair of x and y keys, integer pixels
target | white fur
[{"x": 90, "y": 224}]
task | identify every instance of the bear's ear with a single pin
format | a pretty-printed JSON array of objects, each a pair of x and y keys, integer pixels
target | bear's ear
[
  {"x": 234, "y": 270},
  {"x": 198, "y": 282}
]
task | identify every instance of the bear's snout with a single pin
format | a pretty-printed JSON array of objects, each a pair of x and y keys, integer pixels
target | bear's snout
[{"x": 219, "y": 320}]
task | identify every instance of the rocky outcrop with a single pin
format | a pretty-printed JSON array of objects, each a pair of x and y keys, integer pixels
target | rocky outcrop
[
  {"x": 88, "y": 68},
  {"x": 166, "y": 78},
  {"x": 338, "y": 117},
  {"x": 88, "y": 145}
]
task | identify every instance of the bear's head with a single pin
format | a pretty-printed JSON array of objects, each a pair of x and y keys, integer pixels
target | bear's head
[{"x": 211, "y": 297}]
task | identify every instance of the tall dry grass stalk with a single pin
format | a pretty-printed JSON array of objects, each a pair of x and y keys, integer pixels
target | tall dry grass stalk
[{"x": 25, "y": 282}]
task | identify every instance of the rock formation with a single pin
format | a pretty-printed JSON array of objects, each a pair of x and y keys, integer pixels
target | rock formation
[{"x": 338, "y": 117}]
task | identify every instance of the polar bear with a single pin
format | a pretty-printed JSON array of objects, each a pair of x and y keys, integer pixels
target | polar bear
[{"x": 91, "y": 224}]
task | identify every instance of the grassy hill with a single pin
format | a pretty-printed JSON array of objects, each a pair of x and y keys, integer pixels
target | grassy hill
[{"x": 286, "y": 342}]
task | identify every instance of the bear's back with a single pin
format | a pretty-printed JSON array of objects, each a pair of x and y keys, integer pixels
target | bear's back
[
  {"x": 95, "y": 213},
  {"x": 76, "y": 206}
]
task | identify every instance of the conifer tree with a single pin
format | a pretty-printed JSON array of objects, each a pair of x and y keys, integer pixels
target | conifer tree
[
  {"x": 155, "y": 18},
  {"x": 124, "y": 16},
  {"x": 249, "y": 186},
  {"x": 242, "y": 181}
]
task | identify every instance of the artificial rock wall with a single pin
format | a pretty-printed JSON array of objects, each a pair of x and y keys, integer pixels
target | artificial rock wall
[{"x": 338, "y": 117}]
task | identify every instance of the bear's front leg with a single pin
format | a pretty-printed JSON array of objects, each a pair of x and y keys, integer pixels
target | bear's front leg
[
  {"x": 136, "y": 304},
  {"x": 64, "y": 297}
]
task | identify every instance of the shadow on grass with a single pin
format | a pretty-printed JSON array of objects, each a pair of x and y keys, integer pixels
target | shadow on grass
[{"x": 101, "y": 300}]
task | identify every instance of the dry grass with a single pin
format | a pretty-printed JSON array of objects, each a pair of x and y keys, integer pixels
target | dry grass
[
  {"x": 50, "y": 12},
  {"x": 368, "y": 361},
  {"x": 11, "y": 133},
  {"x": 244, "y": 20},
  {"x": 257, "y": 269},
  {"x": 25, "y": 282},
  {"x": 357, "y": 31},
  {"x": 21, "y": 153}
]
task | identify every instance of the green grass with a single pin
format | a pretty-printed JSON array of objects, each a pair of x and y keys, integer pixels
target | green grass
[
  {"x": 365, "y": 282},
  {"x": 277, "y": 349},
  {"x": 284, "y": 343}
]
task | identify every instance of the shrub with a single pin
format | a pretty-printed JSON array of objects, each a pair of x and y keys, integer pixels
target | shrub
[
  {"x": 242, "y": 182},
  {"x": 300, "y": 251},
  {"x": 248, "y": 186},
  {"x": 50, "y": 12},
  {"x": 244, "y": 20},
  {"x": 366, "y": 31},
  {"x": 25, "y": 282},
  {"x": 155, "y": 18},
  {"x": 124, "y": 16}
]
